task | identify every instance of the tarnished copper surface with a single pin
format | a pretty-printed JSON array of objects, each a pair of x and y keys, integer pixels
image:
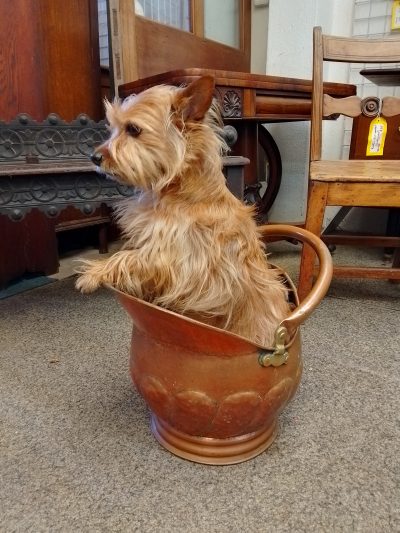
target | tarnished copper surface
[
  {"x": 321, "y": 285},
  {"x": 211, "y": 400}
]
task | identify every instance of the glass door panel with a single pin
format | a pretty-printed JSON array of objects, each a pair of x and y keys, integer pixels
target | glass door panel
[
  {"x": 222, "y": 21},
  {"x": 174, "y": 13}
]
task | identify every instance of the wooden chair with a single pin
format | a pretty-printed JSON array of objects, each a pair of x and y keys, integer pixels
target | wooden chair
[{"x": 368, "y": 183}]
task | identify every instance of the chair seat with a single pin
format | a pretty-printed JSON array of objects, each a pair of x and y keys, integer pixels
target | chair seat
[{"x": 378, "y": 171}]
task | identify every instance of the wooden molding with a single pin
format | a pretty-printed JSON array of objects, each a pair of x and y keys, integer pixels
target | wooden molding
[
  {"x": 390, "y": 106},
  {"x": 361, "y": 50},
  {"x": 317, "y": 100},
  {"x": 245, "y": 28},
  {"x": 280, "y": 105},
  {"x": 123, "y": 41},
  {"x": 350, "y": 106},
  {"x": 197, "y": 17}
]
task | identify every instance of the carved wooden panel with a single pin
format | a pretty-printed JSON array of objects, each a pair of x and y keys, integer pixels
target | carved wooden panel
[
  {"x": 231, "y": 101},
  {"x": 390, "y": 106}
]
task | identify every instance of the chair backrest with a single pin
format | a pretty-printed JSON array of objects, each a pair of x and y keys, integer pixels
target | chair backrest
[{"x": 347, "y": 50}]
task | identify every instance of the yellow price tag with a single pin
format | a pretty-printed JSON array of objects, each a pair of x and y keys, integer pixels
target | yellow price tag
[
  {"x": 376, "y": 136},
  {"x": 396, "y": 15}
]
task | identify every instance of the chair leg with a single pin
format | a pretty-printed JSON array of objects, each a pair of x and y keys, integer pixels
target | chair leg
[
  {"x": 317, "y": 195},
  {"x": 103, "y": 239},
  {"x": 396, "y": 263}
]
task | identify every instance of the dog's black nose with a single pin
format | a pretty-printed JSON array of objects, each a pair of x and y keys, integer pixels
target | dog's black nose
[{"x": 96, "y": 158}]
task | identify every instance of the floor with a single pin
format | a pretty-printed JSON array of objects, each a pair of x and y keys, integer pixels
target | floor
[{"x": 77, "y": 453}]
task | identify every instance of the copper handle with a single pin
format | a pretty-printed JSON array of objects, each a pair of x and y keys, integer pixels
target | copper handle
[{"x": 321, "y": 286}]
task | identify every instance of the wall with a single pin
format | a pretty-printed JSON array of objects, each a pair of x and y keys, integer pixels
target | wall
[{"x": 289, "y": 53}]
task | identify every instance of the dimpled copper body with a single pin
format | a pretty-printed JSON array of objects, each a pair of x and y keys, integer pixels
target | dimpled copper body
[{"x": 215, "y": 397}]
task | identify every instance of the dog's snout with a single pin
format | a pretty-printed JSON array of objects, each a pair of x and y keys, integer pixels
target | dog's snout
[{"x": 96, "y": 158}]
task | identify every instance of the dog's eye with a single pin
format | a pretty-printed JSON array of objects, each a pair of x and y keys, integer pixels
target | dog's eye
[{"x": 132, "y": 129}]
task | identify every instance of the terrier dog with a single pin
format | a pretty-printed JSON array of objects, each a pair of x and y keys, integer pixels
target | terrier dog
[{"x": 191, "y": 246}]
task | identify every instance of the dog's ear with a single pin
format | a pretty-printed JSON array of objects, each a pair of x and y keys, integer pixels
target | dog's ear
[
  {"x": 193, "y": 102},
  {"x": 107, "y": 107},
  {"x": 111, "y": 109}
]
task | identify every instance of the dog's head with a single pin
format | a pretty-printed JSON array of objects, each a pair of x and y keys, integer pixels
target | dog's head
[{"x": 157, "y": 135}]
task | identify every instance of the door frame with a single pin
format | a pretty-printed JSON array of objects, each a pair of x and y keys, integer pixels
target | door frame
[{"x": 133, "y": 40}]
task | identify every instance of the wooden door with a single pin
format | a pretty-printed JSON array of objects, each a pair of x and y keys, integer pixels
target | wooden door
[
  {"x": 149, "y": 37},
  {"x": 49, "y": 59}
]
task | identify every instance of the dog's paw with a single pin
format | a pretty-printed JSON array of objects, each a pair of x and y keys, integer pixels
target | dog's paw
[{"x": 87, "y": 283}]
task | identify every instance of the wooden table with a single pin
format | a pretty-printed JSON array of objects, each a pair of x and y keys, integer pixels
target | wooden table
[
  {"x": 388, "y": 77},
  {"x": 248, "y": 101}
]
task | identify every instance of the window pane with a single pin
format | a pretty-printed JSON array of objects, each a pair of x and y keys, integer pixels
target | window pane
[
  {"x": 221, "y": 21},
  {"x": 175, "y": 13}
]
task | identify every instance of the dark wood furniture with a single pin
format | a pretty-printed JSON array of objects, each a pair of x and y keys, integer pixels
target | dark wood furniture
[
  {"x": 370, "y": 183},
  {"x": 247, "y": 101},
  {"x": 382, "y": 77},
  {"x": 389, "y": 77},
  {"x": 49, "y": 186},
  {"x": 50, "y": 59},
  {"x": 49, "y": 67}
]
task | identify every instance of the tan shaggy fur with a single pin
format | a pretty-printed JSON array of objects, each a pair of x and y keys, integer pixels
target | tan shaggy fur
[{"x": 191, "y": 246}]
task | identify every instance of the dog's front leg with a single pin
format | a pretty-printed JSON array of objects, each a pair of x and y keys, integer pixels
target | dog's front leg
[{"x": 120, "y": 271}]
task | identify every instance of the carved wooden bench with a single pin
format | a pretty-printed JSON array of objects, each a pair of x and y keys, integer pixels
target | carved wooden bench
[{"x": 48, "y": 185}]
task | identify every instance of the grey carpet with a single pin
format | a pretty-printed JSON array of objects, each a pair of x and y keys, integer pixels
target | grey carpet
[
  {"x": 24, "y": 284},
  {"x": 77, "y": 454}
]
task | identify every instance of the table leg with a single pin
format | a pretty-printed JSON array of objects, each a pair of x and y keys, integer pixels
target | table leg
[
  {"x": 254, "y": 140},
  {"x": 274, "y": 172},
  {"x": 246, "y": 146}
]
